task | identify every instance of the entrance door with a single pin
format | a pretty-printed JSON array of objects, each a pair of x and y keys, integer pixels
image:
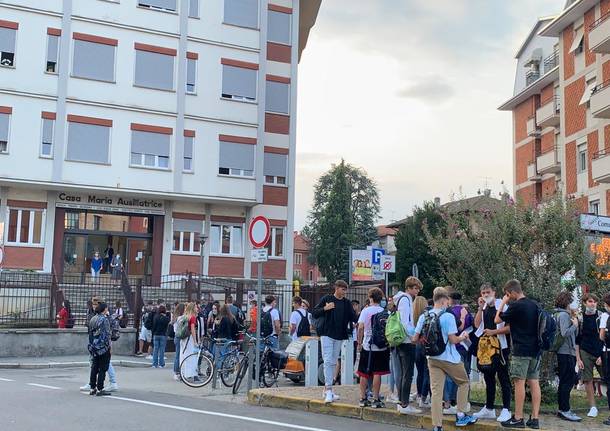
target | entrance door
[
  {"x": 75, "y": 254},
  {"x": 138, "y": 260}
]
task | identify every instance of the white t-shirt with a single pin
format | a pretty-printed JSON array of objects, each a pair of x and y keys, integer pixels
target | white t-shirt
[
  {"x": 275, "y": 316},
  {"x": 295, "y": 319},
  {"x": 366, "y": 318},
  {"x": 404, "y": 307},
  {"x": 603, "y": 321}
]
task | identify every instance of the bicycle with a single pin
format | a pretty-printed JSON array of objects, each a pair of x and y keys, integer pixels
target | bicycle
[
  {"x": 270, "y": 365},
  {"x": 207, "y": 364}
]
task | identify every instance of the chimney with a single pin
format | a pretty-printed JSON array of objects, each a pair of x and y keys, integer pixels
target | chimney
[{"x": 437, "y": 202}]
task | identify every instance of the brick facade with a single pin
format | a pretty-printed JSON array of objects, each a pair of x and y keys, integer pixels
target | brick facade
[
  {"x": 575, "y": 115},
  {"x": 273, "y": 268},
  {"x": 568, "y": 57},
  {"x": 273, "y": 195},
  {"x": 524, "y": 156},
  {"x": 549, "y": 188},
  {"x": 547, "y": 142},
  {"x": 592, "y": 148},
  {"x": 547, "y": 94},
  {"x": 23, "y": 258},
  {"x": 521, "y": 114},
  {"x": 589, "y": 19},
  {"x": 570, "y": 168},
  {"x": 180, "y": 263},
  {"x": 606, "y": 71},
  {"x": 527, "y": 195},
  {"x": 607, "y": 138},
  {"x": 226, "y": 266}
]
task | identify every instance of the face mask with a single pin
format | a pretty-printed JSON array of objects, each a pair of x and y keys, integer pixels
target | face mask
[
  {"x": 214, "y": 312},
  {"x": 590, "y": 310},
  {"x": 383, "y": 303},
  {"x": 489, "y": 300}
]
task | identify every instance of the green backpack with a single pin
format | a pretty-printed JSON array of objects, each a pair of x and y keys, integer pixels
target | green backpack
[
  {"x": 182, "y": 328},
  {"x": 395, "y": 333}
]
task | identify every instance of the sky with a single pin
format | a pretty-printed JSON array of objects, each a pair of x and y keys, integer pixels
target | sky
[{"x": 408, "y": 90}]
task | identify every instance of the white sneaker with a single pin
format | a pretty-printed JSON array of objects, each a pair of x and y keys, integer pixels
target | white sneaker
[
  {"x": 413, "y": 396},
  {"x": 450, "y": 411},
  {"x": 328, "y": 398},
  {"x": 177, "y": 377},
  {"x": 335, "y": 397},
  {"x": 85, "y": 388},
  {"x": 485, "y": 413},
  {"x": 424, "y": 404},
  {"x": 149, "y": 357},
  {"x": 113, "y": 387},
  {"x": 592, "y": 412},
  {"x": 504, "y": 415},
  {"x": 393, "y": 398},
  {"x": 409, "y": 410}
]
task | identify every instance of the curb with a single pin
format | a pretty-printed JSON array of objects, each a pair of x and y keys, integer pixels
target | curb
[
  {"x": 263, "y": 398},
  {"x": 84, "y": 364}
]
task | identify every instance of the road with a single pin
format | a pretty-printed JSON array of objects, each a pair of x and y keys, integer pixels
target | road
[{"x": 148, "y": 400}]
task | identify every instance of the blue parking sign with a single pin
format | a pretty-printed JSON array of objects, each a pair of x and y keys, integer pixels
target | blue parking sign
[{"x": 377, "y": 253}]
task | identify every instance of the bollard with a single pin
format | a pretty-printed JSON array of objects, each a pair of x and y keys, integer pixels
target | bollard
[
  {"x": 347, "y": 362},
  {"x": 311, "y": 362}
]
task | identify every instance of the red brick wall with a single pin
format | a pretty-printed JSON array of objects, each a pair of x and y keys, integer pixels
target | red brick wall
[
  {"x": 570, "y": 169},
  {"x": 273, "y": 195},
  {"x": 589, "y": 19},
  {"x": 23, "y": 257},
  {"x": 547, "y": 94},
  {"x": 524, "y": 156},
  {"x": 226, "y": 266},
  {"x": 582, "y": 204},
  {"x": 549, "y": 188},
  {"x": 527, "y": 195},
  {"x": 275, "y": 123},
  {"x": 547, "y": 142},
  {"x": 568, "y": 58},
  {"x": 606, "y": 71},
  {"x": 605, "y": 7},
  {"x": 278, "y": 52},
  {"x": 607, "y": 137},
  {"x": 592, "y": 148},
  {"x": 575, "y": 114},
  {"x": 521, "y": 113},
  {"x": 180, "y": 263},
  {"x": 273, "y": 268}
]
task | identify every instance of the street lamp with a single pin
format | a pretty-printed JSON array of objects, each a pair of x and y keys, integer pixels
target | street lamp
[{"x": 202, "y": 239}]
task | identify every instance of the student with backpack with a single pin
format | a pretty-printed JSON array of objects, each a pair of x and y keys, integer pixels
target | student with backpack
[
  {"x": 374, "y": 359},
  {"x": 523, "y": 316},
  {"x": 145, "y": 336},
  {"x": 271, "y": 325},
  {"x": 493, "y": 354},
  {"x": 437, "y": 331},
  {"x": 178, "y": 312},
  {"x": 300, "y": 319},
  {"x": 604, "y": 336},
  {"x": 565, "y": 346},
  {"x": 99, "y": 348}
]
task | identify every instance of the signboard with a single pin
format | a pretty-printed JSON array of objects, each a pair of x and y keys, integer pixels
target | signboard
[
  {"x": 388, "y": 263},
  {"x": 377, "y": 253},
  {"x": 595, "y": 223},
  {"x": 101, "y": 202},
  {"x": 259, "y": 232},
  {"x": 258, "y": 255},
  {"x": 361, "y": 265},
  {"x": 251, "y": 295},
  {"x": 415, "y": 270}
]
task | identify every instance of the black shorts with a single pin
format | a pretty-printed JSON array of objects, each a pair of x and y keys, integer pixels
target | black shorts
[{"x": 379, "y": 363}]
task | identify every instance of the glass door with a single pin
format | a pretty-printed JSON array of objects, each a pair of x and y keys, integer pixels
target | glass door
[
  {"x": 75, "y": 254},
  {"x": 139, "y": 257}
]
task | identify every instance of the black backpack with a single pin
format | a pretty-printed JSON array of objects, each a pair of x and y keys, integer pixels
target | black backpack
[
  {"x": 266, "y": 323},
  {"x": 432, "y": 335},
  {"x": 304, "y": 328},
  {"x": 149, "y": 319},
  {"x": 378, "y": 322}
]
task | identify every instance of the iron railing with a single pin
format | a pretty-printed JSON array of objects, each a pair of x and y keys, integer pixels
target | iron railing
[
  {"x": 600, "y": 20},
  {"x": 531, "y": 76},
  {"x": 551, "y": 62}
]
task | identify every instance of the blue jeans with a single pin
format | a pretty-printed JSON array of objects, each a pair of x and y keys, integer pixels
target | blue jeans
[
  {"x": 159, "y": 350},
  {"x": 111, "y": 373},
  {"x": 177, "y": 357},
  {"x": 395, "y": 370},
  {"x": 331, "y": 350},
  {"x": 423, "y": 375}
]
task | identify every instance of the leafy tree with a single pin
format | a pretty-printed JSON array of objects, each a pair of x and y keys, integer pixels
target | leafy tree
[
  {"x": 344, "y": 212},
  {"x": 412, "y": 247}
]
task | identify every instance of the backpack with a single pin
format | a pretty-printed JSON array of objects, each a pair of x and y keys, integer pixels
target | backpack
[
  {"x": 395, "y": 333},
  {"x": 124, "y": 320},
  {"x": 488, "y": 349},
  {"x": 547, "y": 330},
  {"x": 266, "y": 323},
  {"x": 432, "y": 335},
  {"x": 304, "y": 328},
  {"x": 148, "y": 320},
  {"x": 115, "y": 333},
  {"x": 240, "y": 318},
  {"x": 378, "y": 324},
  {"x": 182, "y": 328}
]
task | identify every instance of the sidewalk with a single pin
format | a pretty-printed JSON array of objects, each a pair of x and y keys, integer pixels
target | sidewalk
[
  {"x": 35, "y": 363},
  {"x": 310, "y": 399}
]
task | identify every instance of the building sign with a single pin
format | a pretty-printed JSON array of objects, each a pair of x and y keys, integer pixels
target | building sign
[
  {"x": 595, "y": 223},
  {"x": 361, "y": 265},
  {"x": 110, "y": 203}
]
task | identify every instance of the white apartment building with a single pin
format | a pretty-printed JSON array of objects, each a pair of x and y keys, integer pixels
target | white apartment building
[{"x": 132, "y": 126}]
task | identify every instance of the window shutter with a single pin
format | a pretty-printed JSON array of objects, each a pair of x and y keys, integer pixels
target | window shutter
[
  {"x": 278, "y": 27},
  {"x": 87, "y": 142},
  {"x": 47, "y": 131},
  {"x": 93, "y": 60},
  {"x": 7, "y": 39},
  {"x": 188, "y": 225},
  {"x": 242, "y": 12},
  {"x": 237, "y": 81},
  {"x": 4, "y": 119},
  {"x": 52, "y": 46},
  {"x": 237, "y": 156},
  {"x": 275, "y": 164},
  {"x": 154, "y": 70},
  {"x": 277, "y": 97},
  {"x": 162, "y": 4},
  {"x": 150, "y": 143}
]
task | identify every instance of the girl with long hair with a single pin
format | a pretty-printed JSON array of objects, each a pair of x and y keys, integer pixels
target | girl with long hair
[{"x": 189, "y": 344}]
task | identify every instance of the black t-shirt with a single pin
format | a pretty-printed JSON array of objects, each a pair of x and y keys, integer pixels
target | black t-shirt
[
  {"x": 588, "y": 336},
  {"x": 522, "y": 316},
  {"x": 338, "y": 319},
  {"x": 489, "y": 314},
  {"x": 160, "y": 322}
]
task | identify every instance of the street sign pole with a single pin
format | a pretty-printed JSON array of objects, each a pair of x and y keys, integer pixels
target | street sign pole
[
  {"x": 259, "y": 292},
  {"x": 387, "y": 288},
  {"x": 349, "y": 266}
]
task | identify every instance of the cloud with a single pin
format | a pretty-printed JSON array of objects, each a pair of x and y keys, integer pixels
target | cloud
[{"x": 432, "y": 90}]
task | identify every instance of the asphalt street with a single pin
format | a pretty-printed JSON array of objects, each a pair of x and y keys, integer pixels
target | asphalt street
[{"x": 148, "y": 399}]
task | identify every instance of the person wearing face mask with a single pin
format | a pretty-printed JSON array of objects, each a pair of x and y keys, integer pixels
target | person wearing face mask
[
  {"x": 589, "y": 349},
  {"x": 99, "y": 348},
  {"x": 493, "y": 334},
  {"x": 213, "y": 319},
  {"x": 604, "y": 336}
]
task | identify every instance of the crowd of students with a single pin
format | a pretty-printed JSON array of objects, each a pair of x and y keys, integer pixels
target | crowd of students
[{"x": 507, "y": 336}]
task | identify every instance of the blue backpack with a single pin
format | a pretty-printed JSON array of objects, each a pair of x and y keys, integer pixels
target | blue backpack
[{"x": 547, "y": 329}]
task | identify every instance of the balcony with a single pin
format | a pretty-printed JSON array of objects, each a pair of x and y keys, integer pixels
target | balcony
[
  {"x": 531, "y": 76},
  {"x": 551, "y": 62},
  {"x": 599, "y": 35},
  {"x": 600, "y": 167},
  {"x": 600, "y": 100},
  {"x": 548, "y": 163},
  {"x": 548, "y": 114},
  {"x": 532, "y": 172},
  {"x": 532, "y": 129}
]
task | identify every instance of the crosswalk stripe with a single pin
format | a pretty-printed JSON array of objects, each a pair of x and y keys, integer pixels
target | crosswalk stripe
[{"x": 44, "y": 386}]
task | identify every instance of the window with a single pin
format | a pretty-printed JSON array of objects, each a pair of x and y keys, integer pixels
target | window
[
  {"x": 7, "y": 44},
  {"x": 150, "y": 149},
  {"x": 188, "y": 153},
  {"x": 589, "y": 87},
  {"x": 298, "y": 258},
  {"x": 275, "y": 168},
  {"x": 578, "y": 42},
  {"x": 594, "y": 207},
  {"x": 93, "y": 60},
  {"x": 52, "y": 53},
  {"x": 236, "y": 159},
  {"x": 191, "y": 75},
  {"x": 194, "y": 8},
  {"x": 275, "y": 245},
  {"x": 297, "y": 273},
  {"x": 154, "y": 70},
  {"x": 277, "y": 98},
  {"x": 48, "y": 127},
  {"x": 88, "y": 142},
  {"x": 169, "y": 5},
  {"x": 310, "y": 275},
  {"x": 239, "y": 83},
  {"x": 278, "y": 27},
  {"x": 72, "y": 221},
  {"x": 4, "y": 129},
  {"x": 582, "y": 158},
  {"x": 226, "y": 239},
  {"x": 25, "y": 226},
  {"x": 186, "y": 236},
  {"x": 243, "y": 13}
]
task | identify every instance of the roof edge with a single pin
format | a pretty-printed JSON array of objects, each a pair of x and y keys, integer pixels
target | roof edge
[
  {"x": 530, "y": 90},
  {"x": 532, "y": 33},
  {"x": 555, "y": 27}
]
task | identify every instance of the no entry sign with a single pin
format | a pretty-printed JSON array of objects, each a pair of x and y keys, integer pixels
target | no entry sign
[
  {"x": 388, "y": 263},
  {"x": 259, "y": 231}
]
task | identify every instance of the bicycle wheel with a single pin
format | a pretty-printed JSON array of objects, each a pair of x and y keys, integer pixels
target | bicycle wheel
[
  {"x": 242, "y": 370},
  {"x": 269, "y": 375},
  {"x": 228, "y": 369},
  {"x": 205, "y": 370}
]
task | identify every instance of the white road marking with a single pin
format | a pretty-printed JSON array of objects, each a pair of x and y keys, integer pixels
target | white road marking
[
  {"x": 44, "y": 386},
  {"x": 224, "y": 415},
  {"x": 5, "y": 380}
]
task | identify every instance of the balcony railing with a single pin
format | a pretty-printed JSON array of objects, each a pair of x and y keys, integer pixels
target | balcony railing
[
  {"x": 551, "y": 62},
  {"x": 599, "y": 35},
  {"x": 548, "y": 162},
  {"x": 600, "y": 20},
  {"x": 531, "y": 127},
  {"x": 531, "y": 76},
  {"x": 600, "y": 100},
  {"x": 548, "y": 113},
  {"x": 600, "y": 166}
]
